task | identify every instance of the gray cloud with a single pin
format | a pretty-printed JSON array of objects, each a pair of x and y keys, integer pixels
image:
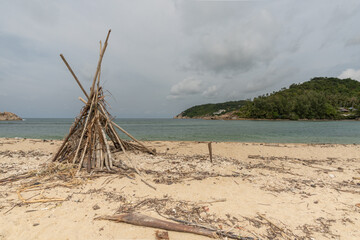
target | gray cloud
[
  {"x": 188, "y": 86},
  {"x": 210, "y": 92},
  {"x": 240, "y": 45}
]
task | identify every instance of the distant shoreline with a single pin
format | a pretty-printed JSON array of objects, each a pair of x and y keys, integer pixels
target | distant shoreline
[{"x": 264, "y": 119}]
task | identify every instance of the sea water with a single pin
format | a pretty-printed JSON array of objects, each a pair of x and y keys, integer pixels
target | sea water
[{"x": 343, "y": 132}]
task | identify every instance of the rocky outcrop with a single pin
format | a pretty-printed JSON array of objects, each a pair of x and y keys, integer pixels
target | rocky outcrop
[
  {"x": 227, "y": 116},
  {"x": 180, "y": 116},
  {"x": 8, "y": 116}
]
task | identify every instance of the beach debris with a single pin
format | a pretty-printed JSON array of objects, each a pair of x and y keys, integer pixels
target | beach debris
[
  {"x": 49, "y": 173},
  {"x": 357, "y": 205},
  {"x": 162, "y": 235},
  {"x": 37, "y": 186},
  {"x": 322, "y": 226},
  {"x": 190, "y": 213},
  {"x": 86, "y": 144},
  {"x": 277, "y": 230}
]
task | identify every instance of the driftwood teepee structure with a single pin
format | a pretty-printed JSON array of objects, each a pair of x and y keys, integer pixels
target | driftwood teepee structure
[{"x": 86, "y": 144}]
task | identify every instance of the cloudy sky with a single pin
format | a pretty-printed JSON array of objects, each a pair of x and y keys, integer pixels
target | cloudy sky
[{"x": 166, "y": 56}]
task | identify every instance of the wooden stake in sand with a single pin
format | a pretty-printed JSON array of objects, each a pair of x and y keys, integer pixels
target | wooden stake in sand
[
  {"x": 87, "y": 142},
  {"x": 210, "y": 151}
]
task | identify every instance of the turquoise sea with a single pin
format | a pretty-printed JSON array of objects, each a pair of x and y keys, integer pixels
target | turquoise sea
[{"x": 345, "y": 132}]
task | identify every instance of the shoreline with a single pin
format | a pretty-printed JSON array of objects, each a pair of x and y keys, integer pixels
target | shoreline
[{"x": 198, "y": 141}]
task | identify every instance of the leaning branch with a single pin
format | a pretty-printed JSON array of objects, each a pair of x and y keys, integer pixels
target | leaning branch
[{"x": 72, "y": 72}]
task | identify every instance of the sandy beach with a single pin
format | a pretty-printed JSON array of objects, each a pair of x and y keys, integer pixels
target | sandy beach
[{"x": 258, "y": 190}]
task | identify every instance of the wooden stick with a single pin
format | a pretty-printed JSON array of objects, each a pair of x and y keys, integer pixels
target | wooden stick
[
  {"x": 81, "y": 99},
  {"x": 102, "y": 144},
  {"x": 60, "y": 151},
  {"x": 210, "y": 152},
  {"x": 101, "y": 166},
  {"x": 37, "y": 200},
  {"x": 82, "y": 157},
  {"x": 99, "y": 63},
  {"x": 98, "y": 81},
  {"x": 88, "y": 165},
  {"x": 83, "y": 132},
  {"x": 129, "y": 135},
  {"x": 77, "y": 80},
  {"x": 142, "y": 220},
  {"x": 108, "y": 159},
  {"x": 213, "y": 201},
  {"x": 94, "y": 152},
  {"x": 98, "y": 155},
  {"x": 72, "y": 130}
]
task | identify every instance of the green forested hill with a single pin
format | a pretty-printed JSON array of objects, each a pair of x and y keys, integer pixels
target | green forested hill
[{"x": 319, "y": 98}]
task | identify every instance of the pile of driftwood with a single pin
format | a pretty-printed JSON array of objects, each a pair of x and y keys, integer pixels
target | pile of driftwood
[{"x": 86, "y": 144}]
